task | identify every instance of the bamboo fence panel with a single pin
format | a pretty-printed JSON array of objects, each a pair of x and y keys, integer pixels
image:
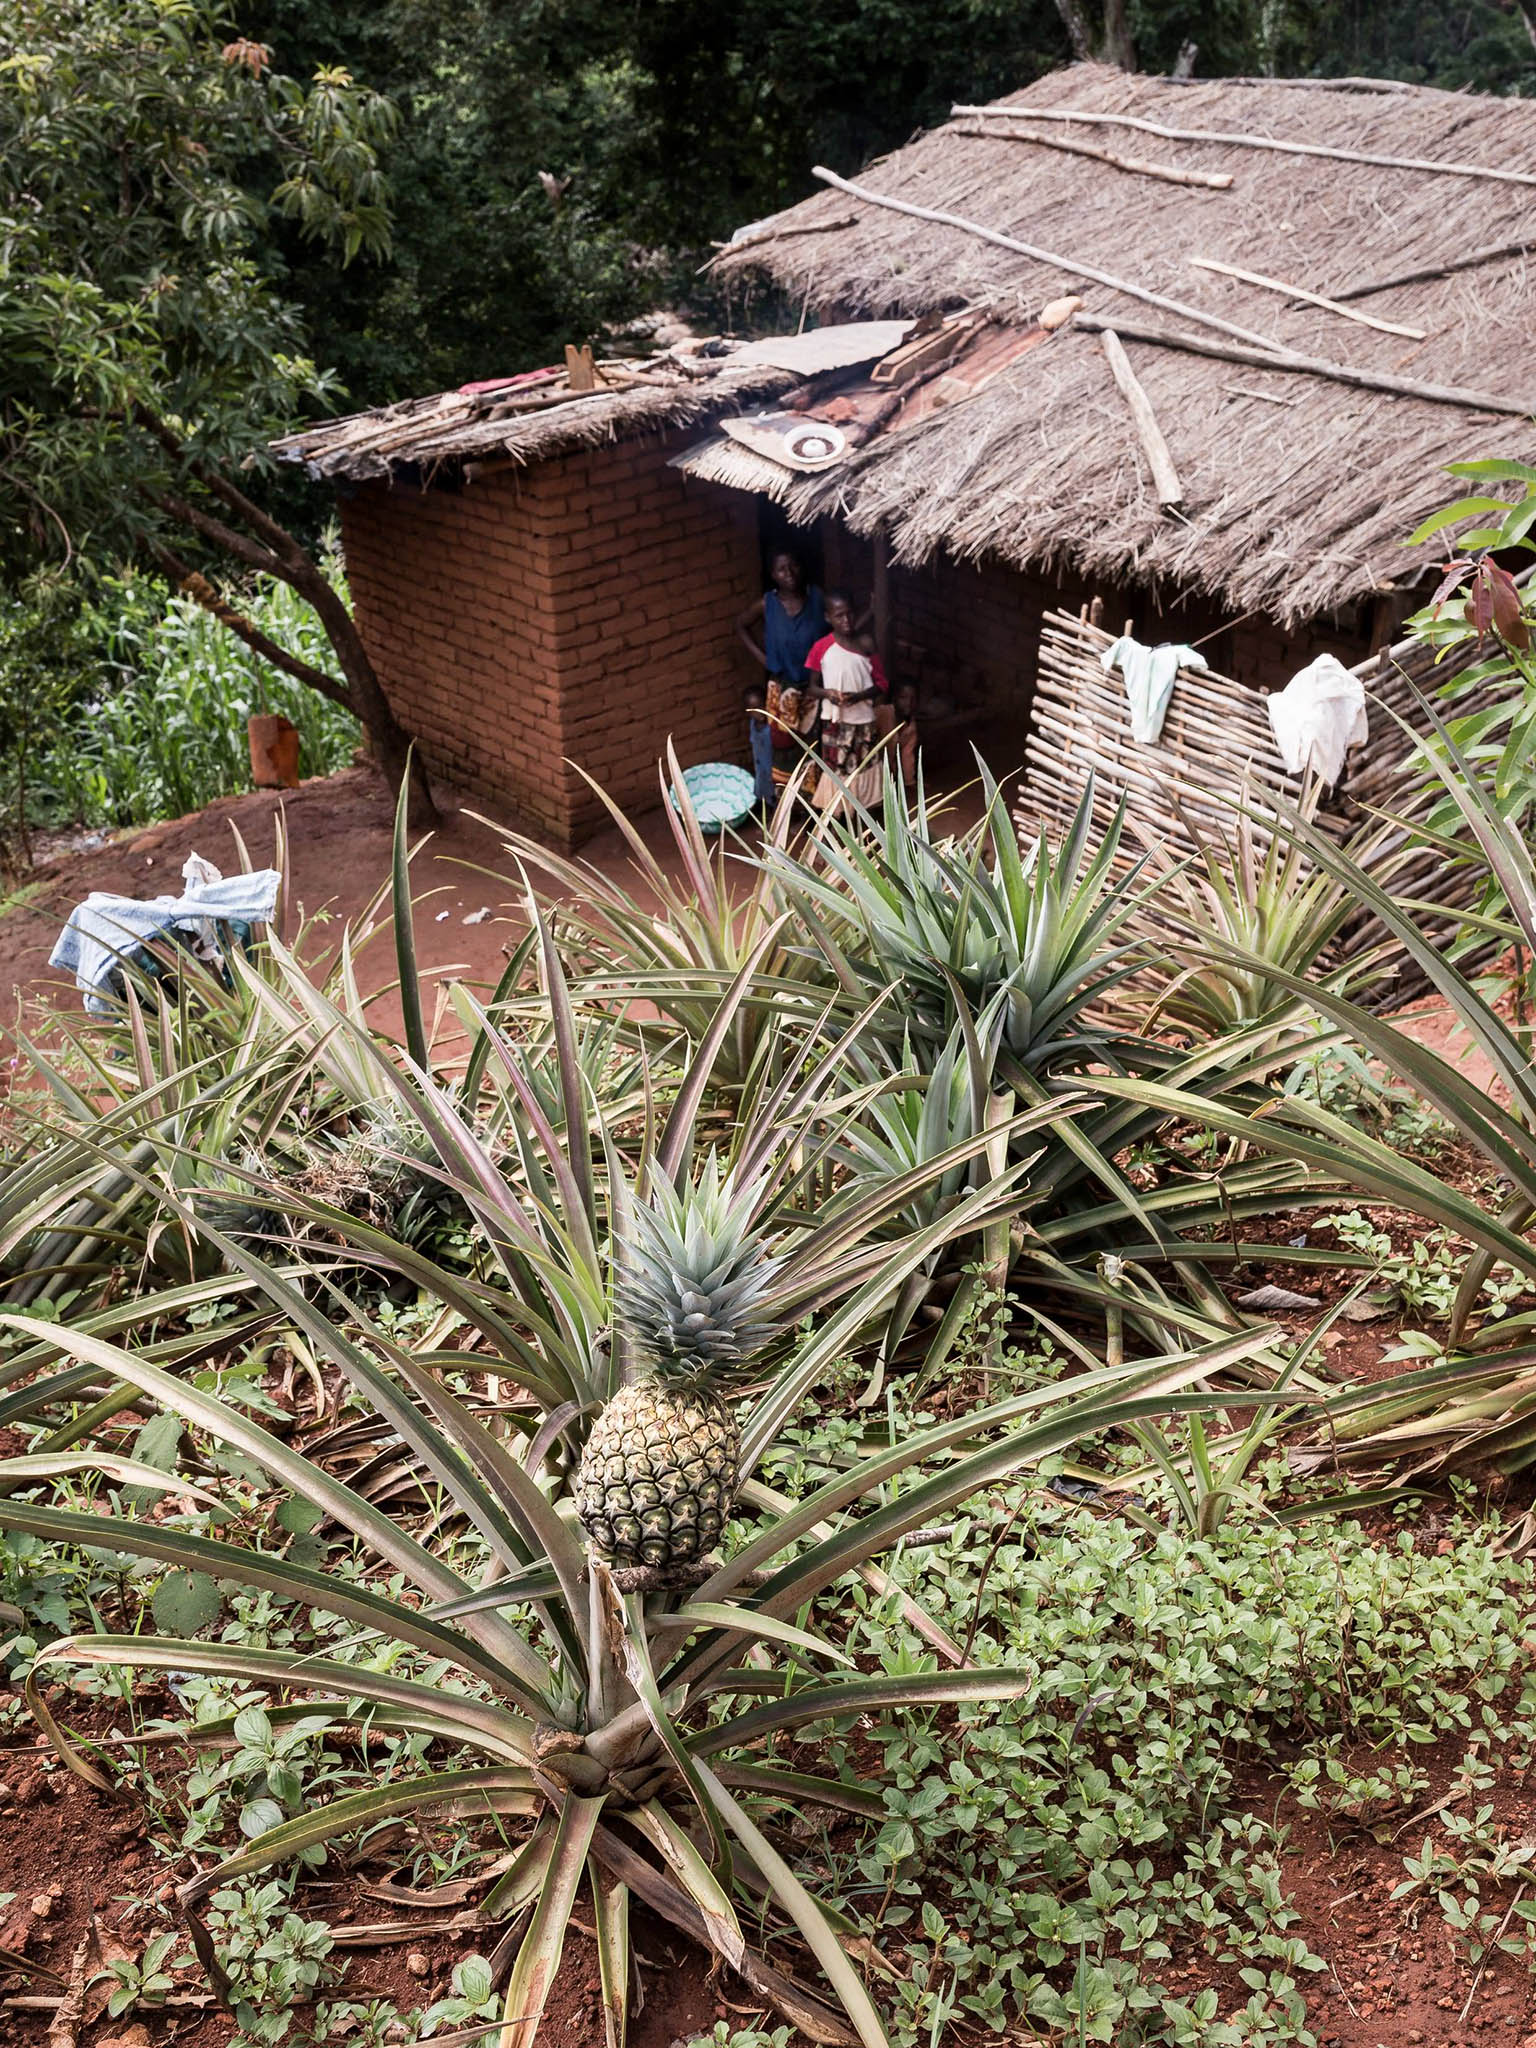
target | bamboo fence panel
[{"x": 1216, "y": 744}]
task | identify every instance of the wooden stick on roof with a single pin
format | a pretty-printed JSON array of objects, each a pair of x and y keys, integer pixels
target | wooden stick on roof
[
  {"x": 814, "y": 227},
  {"x": 1165, "y": 477},
  {"x": 1315, "y": 366},
  {"x": 1294, "y": 291},
  {"x": 1235, "y": 139},
  {"x": 1442, "y": 267},
  {"x": 1048, "y": 256},
  {"x": 1307, "y": 84},
  {"x": 1215, "y": 181}
]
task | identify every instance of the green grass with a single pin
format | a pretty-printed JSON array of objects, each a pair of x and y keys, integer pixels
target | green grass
[{"x": 19, "y": 898}]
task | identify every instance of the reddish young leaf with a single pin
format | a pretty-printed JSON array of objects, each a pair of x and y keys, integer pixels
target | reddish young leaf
[
  {"x": 1456, "y": 574},
  {"x": 1480, "y": 602},
  {"x": 1509, "y": 620}
]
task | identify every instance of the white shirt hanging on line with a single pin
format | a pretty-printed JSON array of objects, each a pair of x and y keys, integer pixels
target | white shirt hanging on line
[
  {"x": 1149, "y": 674},
  {"x": 1318, "y": 717}
]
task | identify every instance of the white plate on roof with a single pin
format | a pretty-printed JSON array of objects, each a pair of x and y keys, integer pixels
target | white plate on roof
[{"x": 789, "y": 439}]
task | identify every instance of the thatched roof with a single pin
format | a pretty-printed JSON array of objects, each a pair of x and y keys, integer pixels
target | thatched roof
[
  {"x": 532, "y": 418},
  {"x": 1298, "y": 490}
]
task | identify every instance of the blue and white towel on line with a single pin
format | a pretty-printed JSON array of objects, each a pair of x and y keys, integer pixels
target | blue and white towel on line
[
  {"x": 105, "y": 930},
  {"x": 1150, "y": 674}
]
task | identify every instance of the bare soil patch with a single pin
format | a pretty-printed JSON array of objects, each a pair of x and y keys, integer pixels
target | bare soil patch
[
  {"x": 69, "y": 1853},
  {"x": 340, "y": 833}
]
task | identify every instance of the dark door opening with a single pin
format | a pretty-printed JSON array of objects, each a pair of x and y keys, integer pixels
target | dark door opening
[{"x": 776, "y": 532}]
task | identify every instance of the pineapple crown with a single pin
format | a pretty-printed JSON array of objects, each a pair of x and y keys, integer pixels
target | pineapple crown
[{"x": 692, "y": 1278}]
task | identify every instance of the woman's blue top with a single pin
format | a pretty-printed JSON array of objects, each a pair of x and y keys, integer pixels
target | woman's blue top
[{"x": 787, "y": 641}]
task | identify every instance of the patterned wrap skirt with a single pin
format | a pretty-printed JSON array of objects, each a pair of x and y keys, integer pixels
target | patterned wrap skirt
[{"x": 845, "y": 750}]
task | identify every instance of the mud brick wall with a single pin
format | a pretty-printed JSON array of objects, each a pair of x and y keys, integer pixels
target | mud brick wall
[
  {"x": 579, "y": 611},
  {"x": 584, "y": 610},
  {"x": 966, "y": 634}
]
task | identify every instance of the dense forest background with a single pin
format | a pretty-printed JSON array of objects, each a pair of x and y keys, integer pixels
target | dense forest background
[{"x": 669, "y": 123}]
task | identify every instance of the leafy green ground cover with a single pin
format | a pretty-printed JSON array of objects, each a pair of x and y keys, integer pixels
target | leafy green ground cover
[{"x": 1039, "y": 1864}]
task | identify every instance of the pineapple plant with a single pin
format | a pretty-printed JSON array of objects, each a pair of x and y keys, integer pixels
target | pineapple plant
[
  {"x": 660, "y": 1469},
  {"x": 372, "y": 1171}
]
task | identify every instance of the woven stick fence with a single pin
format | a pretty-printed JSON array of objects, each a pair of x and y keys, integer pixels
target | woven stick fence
[{"x": 1217, "y": 751}]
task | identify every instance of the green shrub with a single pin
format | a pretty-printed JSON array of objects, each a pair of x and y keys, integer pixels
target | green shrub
[
  {"x": 163, "y": 731},
  {"x": 1051, "y": 1856}
]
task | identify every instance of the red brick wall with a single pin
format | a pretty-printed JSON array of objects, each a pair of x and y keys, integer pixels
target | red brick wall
[
  {"x": 582, "y": 610},
  {"x": 648, "y": 574}
]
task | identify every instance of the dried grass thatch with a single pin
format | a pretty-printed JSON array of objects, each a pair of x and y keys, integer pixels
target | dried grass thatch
[{"x": 1298, "y": 490}]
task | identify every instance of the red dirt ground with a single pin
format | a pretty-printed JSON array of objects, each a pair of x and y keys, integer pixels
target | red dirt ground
[
  {"x": 68, "y": 1852},
  {"x": 340, "y": 833}
]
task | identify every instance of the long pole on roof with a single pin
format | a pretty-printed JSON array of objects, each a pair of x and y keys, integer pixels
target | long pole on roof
[
  {"x": 1261, "y": 351},
  {"x": 1238, "y": 140},
  {"x": 1464, "y": 397},
  {"x": 1070, "y": 264}
]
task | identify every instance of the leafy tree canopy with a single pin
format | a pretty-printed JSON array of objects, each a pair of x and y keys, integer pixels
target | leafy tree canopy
[
  {"x": 144, "y": 153},
  {"x": 149, "y": 346},
  {"x": 657, "y": 128},
  {"x": 661, "y": 127}
]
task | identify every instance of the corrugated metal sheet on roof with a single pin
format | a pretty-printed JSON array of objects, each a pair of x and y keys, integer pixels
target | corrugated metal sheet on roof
[{"x": 827, "y": 348}]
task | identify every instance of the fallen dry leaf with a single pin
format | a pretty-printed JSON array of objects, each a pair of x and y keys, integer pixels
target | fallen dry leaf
[{"x": 89, "y": 1987}]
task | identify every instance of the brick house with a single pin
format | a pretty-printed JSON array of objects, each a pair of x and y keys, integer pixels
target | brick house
[
  {"x": 577, "y": 611},
  {"x": 547, "y": 569}
]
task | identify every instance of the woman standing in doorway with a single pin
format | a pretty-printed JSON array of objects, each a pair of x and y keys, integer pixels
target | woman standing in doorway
[
  {"x": 791, "y": 619},
  {"x": 852, "y": 684}
]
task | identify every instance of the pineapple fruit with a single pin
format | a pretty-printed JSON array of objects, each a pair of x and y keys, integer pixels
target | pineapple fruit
[{"x": 660, "y": 1469}]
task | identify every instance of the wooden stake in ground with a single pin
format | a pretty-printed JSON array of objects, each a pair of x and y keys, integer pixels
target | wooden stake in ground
[
  {"x": 1170, "y": 174},
  {"x": 1238, "y": 140},
  {"x": 1165, "y": 477},
  {"x": 1294, "y": 291},
  {"x": 1317, "y": 366}
]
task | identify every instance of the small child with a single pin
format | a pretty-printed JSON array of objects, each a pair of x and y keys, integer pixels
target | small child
[
  {"x": 760, "y": 733},
  {"x": 904, "y": 704}
]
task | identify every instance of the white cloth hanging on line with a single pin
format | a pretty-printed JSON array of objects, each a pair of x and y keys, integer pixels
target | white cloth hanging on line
[
  {"x": 1318, "y": 717},
  {"x": 1149, "y": 674}
]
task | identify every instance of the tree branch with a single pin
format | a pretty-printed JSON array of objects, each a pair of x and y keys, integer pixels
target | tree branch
[
  {"x": 1118, "y": 46},
  {"x": 185, "y": 513},
  {"x": 284, "y": 558},
  {"x": 276, "y": 536},
  {"x": 1079, "y": 35},
  {"x": 1106, "y": 42},
  {"x": 44, "y": 507},
  {"x": 188, "y": 581}
]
